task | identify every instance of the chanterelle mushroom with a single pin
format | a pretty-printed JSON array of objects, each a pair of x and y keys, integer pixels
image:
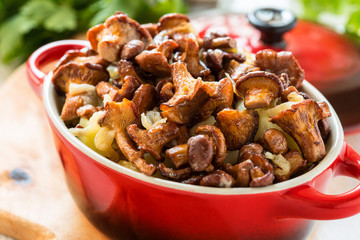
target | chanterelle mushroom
[
  {"x": 237, "y": 127},
  {"x": 191, "y": 57},
  {"x": 301, "y": 122},
  {"x": 218, "y": 140},
  {"x": 259, "y": 88},
  {"x": 126, "y": 91},
  {"x": 76, "y": 67},
  {"x": 118, "y": 116},
  {"x": 280, "y": 62},
  {"x": 154, "y": 139},
  {"x": 155, "y": 61},
  {"x": 109, "y": 38},
  {"x": 177, "y": 27},
  {"x": 189, "y": 96}
]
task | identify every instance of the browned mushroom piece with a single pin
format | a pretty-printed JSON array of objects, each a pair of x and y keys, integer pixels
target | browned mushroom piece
[
  {"x": 237, "y": 127},
  {"x": 240, "y": 172},
  {"x": 275, "y": 141},
  {"x": 191, "y": 57},
  {"x": 109, "y": 38},
  {"x": 78, "y": 72},
  {"x": 145, "y": 98},
  {"x": 193, "y": 180},
  {"x": 178, "y": 155},
  {"x": 189, "y": 96},
  {"x": 70, "y": 107},
  {"x": 175, "y": 174},
  {"x": 324, "y": 127},
  {"x": 284, "y": 78},
  {"x": 251, "y": 148},
  {"x": 177, "y": 27},
  {"x": 81, "y": 56},
  {"x": 155, "y": 61},
  {"x": 252, "y": 152},
  {"x": 217, "y": 178},
  {"x": 125, "y": 68},
  {"x": 287, "y": 91},
  {"x": 118, "y": 116},
  {"x": 152, "y": 28},
  {"x": 214, "y": 40},
  {"x": 132, "y": 49},
  {"x": 259, "y": 178},
  {"x": 184, "y": 135},
  {"x": 154, "y": 139},
  {"x": 218, "y": 139},
  {"x": 221, "y": 96},
  {"x": 280, "y": 62},
  {"x": 301, "y": 123},
  {"x": 237, "y": 70},
  {"x": 126, "y": 91},
  {"x": 214, "y": 59},
  {"x": 167, "y": 92},
  {"x": 296, "y": 163},
  {"x": 199, "y": 152},
  {"x": 259, "y": 88}
]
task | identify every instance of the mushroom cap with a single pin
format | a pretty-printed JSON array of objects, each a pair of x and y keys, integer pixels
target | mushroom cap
[
  {"x": 72, "y": 72},
  {"x": 108, "y": 38},
  {"x": 280, "y": 62},
  {"x": 172, "y": 20},
  {"x": 259, "y": 88},
  {"x": 301, "y": 123},
  {"x": 189, "y": 97},
  {"x": 155, "y": 61},
  {"x": 237, "y": 127},
  {"x": 218, "y": 139}
]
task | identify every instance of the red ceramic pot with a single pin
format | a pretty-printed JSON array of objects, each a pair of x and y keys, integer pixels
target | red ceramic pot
[{"x": 129, "y": 205}]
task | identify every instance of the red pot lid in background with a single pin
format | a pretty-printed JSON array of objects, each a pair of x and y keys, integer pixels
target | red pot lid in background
[{"x": 330, "y": 60}]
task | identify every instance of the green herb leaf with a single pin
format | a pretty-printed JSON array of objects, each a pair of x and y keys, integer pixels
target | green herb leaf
[{"x": 63, "y": 19}]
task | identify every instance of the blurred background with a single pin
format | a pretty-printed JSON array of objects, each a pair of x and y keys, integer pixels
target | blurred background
[{"x": 325, "y": 40}]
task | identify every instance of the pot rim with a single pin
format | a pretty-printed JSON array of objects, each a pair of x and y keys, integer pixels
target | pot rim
[{"x": 333, "y": 146}]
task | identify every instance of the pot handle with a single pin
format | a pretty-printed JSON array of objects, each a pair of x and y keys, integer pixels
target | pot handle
[
  {"x": 45, "y": 55},
  {"x": 306, "y": 202}
]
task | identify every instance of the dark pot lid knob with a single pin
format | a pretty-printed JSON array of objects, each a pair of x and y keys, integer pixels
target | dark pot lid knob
[{"x": 272, "y": 23}]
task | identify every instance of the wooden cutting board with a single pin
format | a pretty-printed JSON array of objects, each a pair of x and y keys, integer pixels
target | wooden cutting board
[{"x": 34, "y": 200}]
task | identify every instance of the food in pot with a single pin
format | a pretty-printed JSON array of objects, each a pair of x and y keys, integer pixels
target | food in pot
[{"x": 162, "y": 101}]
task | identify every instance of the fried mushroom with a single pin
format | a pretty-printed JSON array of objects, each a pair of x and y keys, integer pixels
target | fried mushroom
[
  {"x": 78, "y": 72},
  {"x": 155, "y": 61},
  {"x": 118, "y": 116},
  {"x": 258, "y": 89},
  {"x": 126, "y": 91},
  {"x": 109, "y": 38},
  {"x": 218, "y": 139},
  {"x": 145, "y": 98},
  {"x": 301, "y": 123},
  {"x": 275, "y": 141},
  {"x": 154, "y": 139},
  {"x": 176, "y": 27},
  {"x": 191, "y": 57},
  {"x": 217, "y": 178},
  {"x": 237, "y": 127},
  {"x": 189, "y": 96},
  {"x": 280, "y": 62},
  {"x": 178, "y": 155},
  {"x": 175, "y": 174}
]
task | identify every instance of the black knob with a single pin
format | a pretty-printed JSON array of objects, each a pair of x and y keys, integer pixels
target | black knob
[{"x": 272, "y": 23}]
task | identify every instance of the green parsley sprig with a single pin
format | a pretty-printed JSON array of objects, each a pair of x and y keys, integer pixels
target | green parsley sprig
[{"x": 26, "y": 25}]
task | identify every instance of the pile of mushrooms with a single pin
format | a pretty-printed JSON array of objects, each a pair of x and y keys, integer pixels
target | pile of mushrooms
[{"x": 192, "y": 110}]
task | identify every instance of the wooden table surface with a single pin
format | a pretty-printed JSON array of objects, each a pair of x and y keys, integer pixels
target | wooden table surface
[{"x": 34, "y": 199}]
